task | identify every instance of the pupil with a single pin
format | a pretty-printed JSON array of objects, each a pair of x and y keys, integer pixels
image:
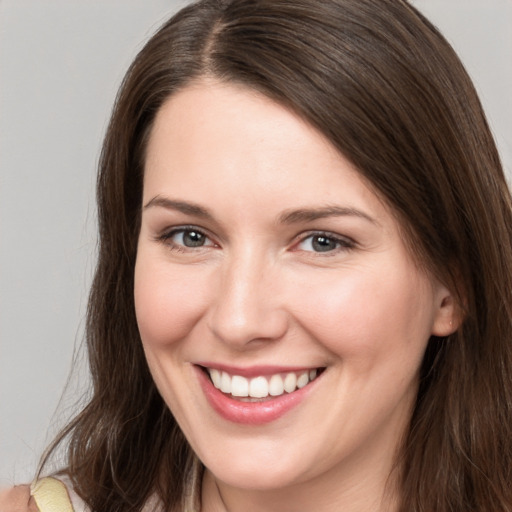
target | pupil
[
  {"x": 323, "y": 244},
  {"x": 193, "y": 239}
]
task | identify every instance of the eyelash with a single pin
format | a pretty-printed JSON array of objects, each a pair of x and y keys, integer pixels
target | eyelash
[
  {"x": 166, "y": 238},
  {"x": 341, "y": 243}
]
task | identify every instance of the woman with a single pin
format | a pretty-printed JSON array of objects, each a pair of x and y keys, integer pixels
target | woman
[{"x": 302, "y": 299}]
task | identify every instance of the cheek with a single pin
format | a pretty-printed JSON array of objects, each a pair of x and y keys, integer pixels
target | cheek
[
  {"x": 364, "y": 316},
  {"x": 167, "y": 304}
]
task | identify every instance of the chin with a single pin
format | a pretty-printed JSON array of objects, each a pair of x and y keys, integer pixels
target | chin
[
  {"x": 259, "y": 469},
  {"x": 256, "y": 478}
]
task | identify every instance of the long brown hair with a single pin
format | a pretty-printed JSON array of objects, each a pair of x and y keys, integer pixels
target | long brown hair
[{"x": 388, "y": 91}]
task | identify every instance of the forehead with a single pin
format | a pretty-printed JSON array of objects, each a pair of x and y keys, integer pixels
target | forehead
[
  {"x": 215, "y": 115},
  {"x": 239, "y": 138}
]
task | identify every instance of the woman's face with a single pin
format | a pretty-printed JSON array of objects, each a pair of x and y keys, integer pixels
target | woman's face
[{"x": 267, "y": 267}]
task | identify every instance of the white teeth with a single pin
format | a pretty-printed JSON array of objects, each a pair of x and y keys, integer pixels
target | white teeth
[
  {"x": 276, "y": 385},
  {"x": 303, "y": 380},
  {"x": 260, "y": 387},
  {"x": 290, "y": 382},
  {"x": 225, "y": 383},
  {"x": 239, "y": 386},
  {"x": 215, "y": 375}
]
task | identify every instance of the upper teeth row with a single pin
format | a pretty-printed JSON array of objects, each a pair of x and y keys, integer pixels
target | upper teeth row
[{"x": 260, "y": 387}]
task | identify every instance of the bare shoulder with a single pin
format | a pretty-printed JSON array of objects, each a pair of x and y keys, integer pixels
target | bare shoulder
[{"x": 17, "y": 499}]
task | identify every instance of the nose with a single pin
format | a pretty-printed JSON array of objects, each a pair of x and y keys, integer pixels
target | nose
[{"x": 248, "y": 307}]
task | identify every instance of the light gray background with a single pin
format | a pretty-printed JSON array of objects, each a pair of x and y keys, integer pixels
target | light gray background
[{"x": 61, "y": 62}]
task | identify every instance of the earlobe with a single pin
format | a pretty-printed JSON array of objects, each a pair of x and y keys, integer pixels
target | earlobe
[{"x": 448, "y": 316}]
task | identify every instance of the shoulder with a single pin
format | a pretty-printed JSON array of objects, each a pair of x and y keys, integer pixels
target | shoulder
[
  {"x": 48, "y": 494},
  {"x": 17, "y": 499}
]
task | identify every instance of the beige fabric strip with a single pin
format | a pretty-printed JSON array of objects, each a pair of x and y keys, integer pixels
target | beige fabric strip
[{"x": 51, "y": 495}]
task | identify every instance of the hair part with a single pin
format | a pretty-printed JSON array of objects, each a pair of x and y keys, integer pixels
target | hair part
[{"x": 387, "y": 90}]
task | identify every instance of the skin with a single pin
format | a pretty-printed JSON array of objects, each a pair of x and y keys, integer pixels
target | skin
[
  {"x": 259, "y": 293},
  {"x": 17, "y": 499}
]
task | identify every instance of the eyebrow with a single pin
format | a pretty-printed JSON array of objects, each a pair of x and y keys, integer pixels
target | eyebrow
[
  {"x": 293, "y": 216},
  {"x": 184, "y": 207},
  {"x": 312, "y": 214}
]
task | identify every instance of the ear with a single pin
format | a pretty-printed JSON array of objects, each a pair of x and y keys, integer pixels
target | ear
[{"x": 448, "y": 314}]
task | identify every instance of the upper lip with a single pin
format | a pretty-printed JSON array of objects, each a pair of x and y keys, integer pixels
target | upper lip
[{"x": 256, "y": 370}]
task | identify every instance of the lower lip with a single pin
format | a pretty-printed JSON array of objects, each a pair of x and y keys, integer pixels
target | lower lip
[{"x": 251, "y": 413}]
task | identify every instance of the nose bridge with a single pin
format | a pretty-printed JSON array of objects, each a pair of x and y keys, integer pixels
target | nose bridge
[{"x": 246, "y": 305}]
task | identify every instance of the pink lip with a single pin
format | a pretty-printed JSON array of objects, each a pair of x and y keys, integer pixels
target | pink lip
[
  {"x": 251, "y": 413},
  {"x": 255, "y": 371}
]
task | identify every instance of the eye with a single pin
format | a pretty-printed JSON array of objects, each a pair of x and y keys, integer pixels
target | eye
[
  {"x": 188, "y": 238},
  {"x": 324, "y": 242}
]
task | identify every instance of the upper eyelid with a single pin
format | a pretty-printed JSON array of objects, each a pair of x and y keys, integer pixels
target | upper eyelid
[
  {"x": 328, "y": 234},
  {"x": 166, "y": 234},
  {"x": 169, "y": 231}
]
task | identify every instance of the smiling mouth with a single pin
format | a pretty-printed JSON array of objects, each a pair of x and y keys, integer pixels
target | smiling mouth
[{"x": 263, "y": 387}]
